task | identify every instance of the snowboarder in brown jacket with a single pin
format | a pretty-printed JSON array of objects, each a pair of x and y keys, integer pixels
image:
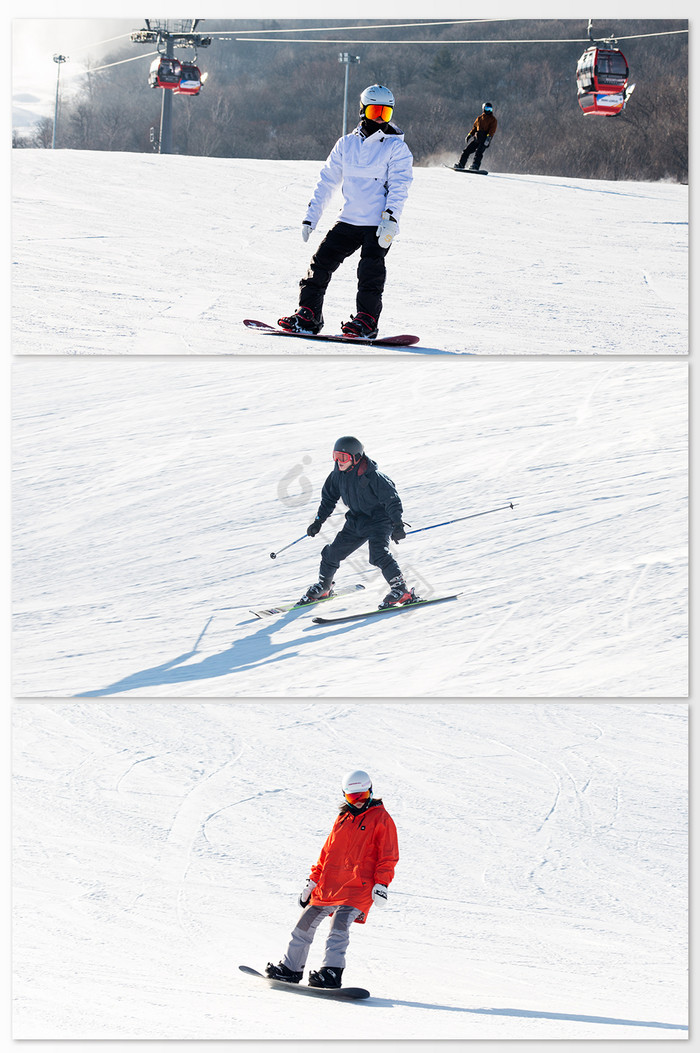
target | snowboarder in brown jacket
[{"x": 479, "y": 138}]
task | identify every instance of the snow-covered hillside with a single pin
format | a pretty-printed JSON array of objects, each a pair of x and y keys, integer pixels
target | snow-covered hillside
[
  {"x": 149, "y": 495},
  {"x": 540, "y": 894},
  {"x": 140, "y": 254}
]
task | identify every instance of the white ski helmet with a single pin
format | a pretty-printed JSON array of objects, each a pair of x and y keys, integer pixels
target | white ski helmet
[
  {"x": 357, "y": 782},
  {"x": 377, "y": 104},
  {"x": 378, "y": 95}
]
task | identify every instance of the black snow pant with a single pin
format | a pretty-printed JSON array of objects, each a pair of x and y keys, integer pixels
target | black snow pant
[
  {"x": 351, "y": 537},
  {"x": 340, "y": 242},
  {"x": 474, "y": 146}
]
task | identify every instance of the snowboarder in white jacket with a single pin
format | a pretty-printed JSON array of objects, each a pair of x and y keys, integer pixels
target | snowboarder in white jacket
[{"x": 374, "y": 167}]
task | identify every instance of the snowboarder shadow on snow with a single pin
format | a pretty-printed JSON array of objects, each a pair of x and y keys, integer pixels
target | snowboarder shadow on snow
[
  {"x": 527, "y": 1014},
  {"x": 249, "y": 652}
]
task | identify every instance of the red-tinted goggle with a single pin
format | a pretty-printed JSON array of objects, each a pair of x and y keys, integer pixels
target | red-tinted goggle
[
  {"x": 379, "y": 114},
  {"x": 356, "y": 799},
  {"x": 342, "y": 457}
]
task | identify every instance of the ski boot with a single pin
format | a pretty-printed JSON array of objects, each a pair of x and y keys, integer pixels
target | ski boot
[
  {"x": 304, "y": 321},
  {"x": 322, "y": 590},
  {"x": 399, "y": 594},
  {"x": 361, "y": 324},
  {"x": 326, "y": 977},
  {"x": 281, "y": 972}
]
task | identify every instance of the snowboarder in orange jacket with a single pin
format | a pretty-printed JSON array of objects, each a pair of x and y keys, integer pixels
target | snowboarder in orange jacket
[{"x": 354, "y": 870}]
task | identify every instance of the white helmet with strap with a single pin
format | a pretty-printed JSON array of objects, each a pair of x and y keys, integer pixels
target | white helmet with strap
[{"x": 357, "y": 785}]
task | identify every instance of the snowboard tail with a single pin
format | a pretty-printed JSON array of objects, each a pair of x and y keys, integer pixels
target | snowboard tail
[
  {"x": 348, "y": 994},
  {"x": 404, "y": 340}
]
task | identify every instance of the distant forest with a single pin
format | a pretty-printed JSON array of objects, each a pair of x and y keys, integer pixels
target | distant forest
[{"x": 285, "y": 99}]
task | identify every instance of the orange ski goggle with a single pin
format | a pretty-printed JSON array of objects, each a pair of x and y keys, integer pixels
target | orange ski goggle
[{"x": 378, "y": 114}]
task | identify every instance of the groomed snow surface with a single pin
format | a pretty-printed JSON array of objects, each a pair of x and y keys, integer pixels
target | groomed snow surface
[
  {"x": 149, "y": 495},
  {"x": 540, "y": 894},
  {"x": 141, "y": 254}
]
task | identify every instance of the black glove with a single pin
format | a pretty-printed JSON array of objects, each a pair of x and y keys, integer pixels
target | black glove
[
  {"x": 397, "y": 531},
  {"x": 313, "y": 528}
]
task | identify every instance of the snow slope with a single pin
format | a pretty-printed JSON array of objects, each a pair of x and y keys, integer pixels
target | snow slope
[
  {"x": 142, "y": 254},
  {"x": 149, "y": 495},
  {"x": 540, "y": 894}
]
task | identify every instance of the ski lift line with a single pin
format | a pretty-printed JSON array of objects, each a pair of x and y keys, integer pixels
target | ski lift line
[
  {"x": 96, "y": 69},
  {"x": 99, "y": 44},
  {"x": 445, "y": 43},
  {"x": 341, "y": 29},
  {"x": 643, "y": 36},
  {"x": 223, "y": 34}
]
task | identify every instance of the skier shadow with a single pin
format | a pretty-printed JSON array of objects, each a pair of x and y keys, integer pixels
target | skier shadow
[
  {"x": 249, "y": 652},
  {"x": 527, "y": 1014}
]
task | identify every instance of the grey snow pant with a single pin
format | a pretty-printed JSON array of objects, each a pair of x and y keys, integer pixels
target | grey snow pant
[{"x": 336, "y": 942}]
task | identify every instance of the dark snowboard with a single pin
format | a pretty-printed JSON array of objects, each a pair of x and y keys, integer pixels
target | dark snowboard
[
  {"x": 472, "y": 171},
  {"x": 337, "y": 338},
  {"x": 345, "y": 993}
]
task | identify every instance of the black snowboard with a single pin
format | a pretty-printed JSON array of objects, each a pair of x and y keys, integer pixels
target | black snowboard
[
  {"x": 473, "y": 171},
  {"x": 345, "y": 993}
]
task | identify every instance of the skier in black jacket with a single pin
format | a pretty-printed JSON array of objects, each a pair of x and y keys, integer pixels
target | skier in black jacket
[{"x": 374, "y": 515}]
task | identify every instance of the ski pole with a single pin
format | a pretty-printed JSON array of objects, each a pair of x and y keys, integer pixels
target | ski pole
[
  {"x": 460, "y": 518},
  {"x": 274, "y": 555}
]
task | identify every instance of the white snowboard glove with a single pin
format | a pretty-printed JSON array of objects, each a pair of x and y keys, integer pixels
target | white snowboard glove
[
  {"x": 305, "y": 894},
  {"x": 379, "y": 895},
  {"x": 386, "y": 230},
  {"x": 306, "y": 229}
]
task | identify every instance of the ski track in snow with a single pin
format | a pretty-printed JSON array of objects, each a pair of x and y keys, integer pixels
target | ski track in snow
[
  {"x": 543, "y": 855},
  {"x": 561, "y": 266}
]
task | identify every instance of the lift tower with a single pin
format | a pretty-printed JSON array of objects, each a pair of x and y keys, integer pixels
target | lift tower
[{"x": 166, "y": 40}]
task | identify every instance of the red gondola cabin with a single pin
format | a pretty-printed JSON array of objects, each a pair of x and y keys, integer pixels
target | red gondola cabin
[
  {"x": 165, "y": 73},
  {"x": 601, "y": 79},
  {"x": 190, "y": 80}
]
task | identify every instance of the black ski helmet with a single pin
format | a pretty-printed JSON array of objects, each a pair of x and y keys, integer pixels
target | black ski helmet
[
  {"x": 349, "y": 444},
  {"x": 487, "y": 108}
]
